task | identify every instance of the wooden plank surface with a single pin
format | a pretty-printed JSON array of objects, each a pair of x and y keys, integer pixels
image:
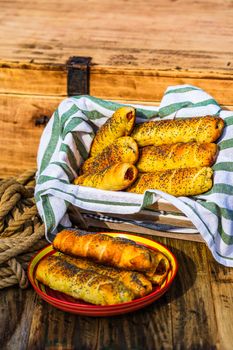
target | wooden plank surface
[
  {"x": 149, "y": 85},
  {"x": 20, "y": 127},
  {"x": 130, "y": 227},
  {"x": 193, "y": 309},
  {"x": 156, "y": 217},
  {"x": 222, "y": 294},
  {"x": 114, "y": 83},
  {"x": 195, "y": 313},
  {"x": 86, "y": 220},
  {"x": 163, "y": 34}
]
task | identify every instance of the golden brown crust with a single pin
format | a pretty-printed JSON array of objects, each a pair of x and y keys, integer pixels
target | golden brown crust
[
  {"x": 158, "y": 274},
  {"x": 135, "y": 281},
  {"x": 123, "y": 150},
  {"x": 114, "y": 178},
  {"x": 81, "y": 284},
  {"x": 104, "y": 249},
  {"x": 178, "y": 182},
  {"x": 175, "y": 156},
  {"x": 200, "y": 129},
  {"x": 120, "y": 124}
]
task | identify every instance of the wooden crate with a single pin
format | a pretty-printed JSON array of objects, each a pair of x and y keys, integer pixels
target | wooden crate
[
  {"x": 140, "y": 222},
  {"x": 135, "y": 57}
]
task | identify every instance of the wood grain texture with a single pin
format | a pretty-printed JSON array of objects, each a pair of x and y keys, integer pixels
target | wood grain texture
[
  {"x": 50, "y": 328},
  {"x": 32, "y": 79},
  {"x": 222, "y": 295},
  {"x": 195, "y": 313},
  {"x": 19, "y": 133},
  {"x": 130, "y": 227},
  {"x": 122, "y": 332},
  {"x": 15, "y": 317},
  {"x": 126, "y": 84},
  {"x": 149, "y": 85},
  {"x": 149, "y": 215},
  {"x": 119, "y": 33},
  {"x": 193, "y": 309}
]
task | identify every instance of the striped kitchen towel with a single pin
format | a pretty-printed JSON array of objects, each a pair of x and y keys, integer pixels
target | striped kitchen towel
[{"x": 66, "y": 141}]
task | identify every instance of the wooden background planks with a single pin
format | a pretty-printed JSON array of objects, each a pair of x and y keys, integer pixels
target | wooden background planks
[
  {"x": 196, "y": 313},
  {"x": 162, "y": 34}
]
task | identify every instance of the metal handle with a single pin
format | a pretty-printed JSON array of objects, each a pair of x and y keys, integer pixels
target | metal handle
[{"x": 78, "y": 74}]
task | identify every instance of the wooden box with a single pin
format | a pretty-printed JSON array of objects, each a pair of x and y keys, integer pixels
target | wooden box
[
  {"x": 133, "y": 59},
  {"x": 162, "y": 219}
]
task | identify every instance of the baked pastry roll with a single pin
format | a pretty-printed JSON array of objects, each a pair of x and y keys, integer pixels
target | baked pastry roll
[
  {"x": 177, "y": 182},
  {"x": 200, "y": 129},
  {"x": 118, "y": 252},
  {"x": 114, "y": 178},
  {"x": 134, "y": 281},
  {"x": 81, "y": 284},
  {"x": 120, "y": 124},
  {"x": 123, "y": 150},
  {"x": 158, "y": 274},
  {"x": 175, "y": 156}
]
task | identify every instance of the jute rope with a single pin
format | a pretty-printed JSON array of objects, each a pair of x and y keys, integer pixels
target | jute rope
[{"x": 21, "y": 229}]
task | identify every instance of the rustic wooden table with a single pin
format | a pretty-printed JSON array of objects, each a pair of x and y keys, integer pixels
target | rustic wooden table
[{"x": 196, "y": 313}]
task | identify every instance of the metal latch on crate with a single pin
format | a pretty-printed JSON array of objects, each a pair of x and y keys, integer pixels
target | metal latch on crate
[{"x": 78, "y": 75}]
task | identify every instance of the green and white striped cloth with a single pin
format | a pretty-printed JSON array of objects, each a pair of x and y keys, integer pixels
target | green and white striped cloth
[{"x": 66, "y": 141}]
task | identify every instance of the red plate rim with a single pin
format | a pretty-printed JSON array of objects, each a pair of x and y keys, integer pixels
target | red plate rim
[{"x": 113, "y": 307}]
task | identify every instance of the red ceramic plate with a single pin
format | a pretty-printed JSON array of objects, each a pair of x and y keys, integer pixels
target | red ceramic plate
[{"x": 69, "y": 304}]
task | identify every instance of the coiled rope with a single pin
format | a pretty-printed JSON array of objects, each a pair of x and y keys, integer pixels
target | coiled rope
[{"x": 21, "y": 229}]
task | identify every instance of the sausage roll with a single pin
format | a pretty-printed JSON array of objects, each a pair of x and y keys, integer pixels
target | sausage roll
[
  {"x": 199, "y": 129},
  {"x": 135, "y": 281},
  {"x": 81, "y": 284},
  {"x": 114, "y": 178},
  {"x": 177, "y": 182},
  {"x": 123, "y": 150},
  {"x": 120, "y": 124},
  {"x": 178, "y": 155},
  {"x": 118, "y": 252}
]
